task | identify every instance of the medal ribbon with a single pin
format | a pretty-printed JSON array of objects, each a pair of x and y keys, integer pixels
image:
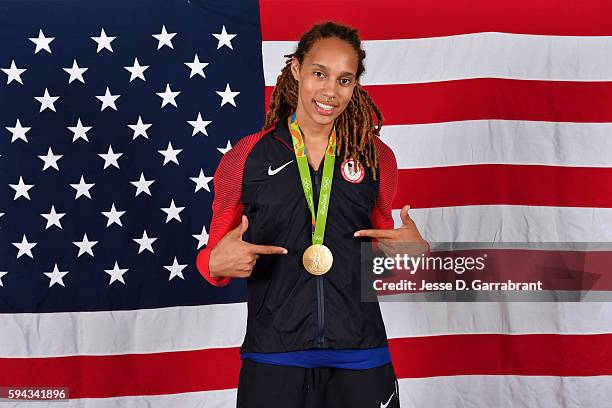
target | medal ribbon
[{"x": 318, "y": 228}]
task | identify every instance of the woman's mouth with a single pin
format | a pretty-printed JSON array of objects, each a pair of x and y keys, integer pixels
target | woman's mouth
[{"x": 324, "y": 109}]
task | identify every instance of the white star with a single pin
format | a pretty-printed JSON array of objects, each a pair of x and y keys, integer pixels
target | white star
[
  {"x": 103, "y": 41},
  {"x": 227, "y": 96},
  {"x": 56, "y": 276},
  {"x": 42, "y": 42},
  {"x": 170, "y": 154},
  {"x": 226, "y": 148},
  {"x": 80, "y": 131},
  {"x": 14, "y": 73},
  {"x": 25, "y": 248},
  {"x": 1, "y": 275},
  {"x": 114, "y": 216},
  {"x": 85, "y": 246},
  {"x": 199, "y": 125},
  {"x": 175, "y": 269},
  {"x": 50, "y": 159},
  {"x": 197, "y": 67},
  {"x": 201, "y": 181},
  {"x": 46, "y": 101},
  {"x": 18, "y": 132},
  {"x": 116, "y": 274},
  {"x": 142, "y": 185},
  {"x": 202, "y": 237},
  {"x": 108, "y": 100},
  {"x": 164, "y": 38},
  {"x": 75, "y": 72},
  {"x": 21, "y": 189},
  {"x": 140, "y": 129},
  {"x": 168, "y": 96},
  {"x": 53, "y": 218},
  {"x": 145, "y": 243},
  {"x": 110, "y": 158},
  {"x": 224, "y": 38},
  {"x": 137, "y": 70},
  {"x": 173, "y": 212},
  {"x": 82, "y": 188}
]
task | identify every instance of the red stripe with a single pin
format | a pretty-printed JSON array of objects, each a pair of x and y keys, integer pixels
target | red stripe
[
  {"x": 497, "y": 354},
  {"x": 287, "y": 20},
  {"x": 492, "y": 98},
  {"x": 485, "y": 184},
  {"x": 129, "y": 374},
  {"x": 202, "y": 370}
]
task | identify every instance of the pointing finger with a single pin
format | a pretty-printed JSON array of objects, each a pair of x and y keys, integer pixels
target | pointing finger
[
  {"x": 374, "y": 233},
  {"x": 267, "y": 249}
]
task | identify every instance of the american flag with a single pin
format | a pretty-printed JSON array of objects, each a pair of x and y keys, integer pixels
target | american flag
[{"x": 114, "y": 116}]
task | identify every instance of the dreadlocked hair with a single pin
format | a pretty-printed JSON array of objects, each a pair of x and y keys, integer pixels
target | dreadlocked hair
[{"x": 355, "y": 127}]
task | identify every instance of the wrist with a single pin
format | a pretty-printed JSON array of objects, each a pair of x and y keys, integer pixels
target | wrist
[{"x": 210, "y": 262}]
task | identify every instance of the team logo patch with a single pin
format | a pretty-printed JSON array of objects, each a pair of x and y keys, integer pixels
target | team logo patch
[{"x": 352, "y": 170}]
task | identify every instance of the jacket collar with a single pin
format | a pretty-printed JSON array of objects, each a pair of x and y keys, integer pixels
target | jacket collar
[{"x": 281, "y": 132}]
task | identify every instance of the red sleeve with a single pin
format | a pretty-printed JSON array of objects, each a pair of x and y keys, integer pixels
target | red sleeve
[
  {"x": 227, "y": 206},
  {"x": 381, "y": 215}
]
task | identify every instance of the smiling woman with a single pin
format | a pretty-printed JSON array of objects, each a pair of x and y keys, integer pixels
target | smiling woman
[{"x": 285, "y": 215}]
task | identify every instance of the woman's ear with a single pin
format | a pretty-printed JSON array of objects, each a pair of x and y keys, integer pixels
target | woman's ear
[{"x": 295, "y": 69}]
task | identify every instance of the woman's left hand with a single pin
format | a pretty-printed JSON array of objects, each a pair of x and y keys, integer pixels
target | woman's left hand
[{"x": 403, "y": 240}]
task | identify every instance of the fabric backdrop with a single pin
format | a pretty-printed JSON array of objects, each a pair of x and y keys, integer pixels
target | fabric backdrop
[{"x": 500, "y": 116}]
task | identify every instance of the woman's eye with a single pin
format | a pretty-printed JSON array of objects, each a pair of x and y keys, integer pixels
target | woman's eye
[
  {"x": 318, "y": 74},
  {"x": 345, "y": 81}
]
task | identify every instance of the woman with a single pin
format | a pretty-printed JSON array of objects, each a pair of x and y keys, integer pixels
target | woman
[{"x": 287, "y": 215}]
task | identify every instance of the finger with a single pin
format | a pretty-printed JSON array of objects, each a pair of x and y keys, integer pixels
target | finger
[
  {"x": 267, "y": 249},
  {"x": 404, "y": 215},
  {"x": 244, "y": 224},
  {"x": 374, "y": 233},
  {"x": 242, "y": 227}
]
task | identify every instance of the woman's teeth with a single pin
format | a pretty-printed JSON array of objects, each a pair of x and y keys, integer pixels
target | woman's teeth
[{"x": 323, "y": 106}]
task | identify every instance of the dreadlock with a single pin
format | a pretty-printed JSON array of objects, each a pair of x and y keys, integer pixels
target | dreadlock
[{"x": 355, "y": 127}]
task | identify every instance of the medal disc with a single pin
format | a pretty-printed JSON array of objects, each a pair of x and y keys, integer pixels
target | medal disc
[{"x": 317, "y": 259}]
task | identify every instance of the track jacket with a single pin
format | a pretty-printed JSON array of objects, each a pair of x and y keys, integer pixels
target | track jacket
[{"x": 288, "y": 308}]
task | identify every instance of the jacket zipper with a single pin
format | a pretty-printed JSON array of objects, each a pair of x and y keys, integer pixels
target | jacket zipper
[{"x": 320, "y": 299}]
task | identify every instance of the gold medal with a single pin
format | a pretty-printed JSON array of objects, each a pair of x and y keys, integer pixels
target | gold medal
[{"x": 317, "y": 259}]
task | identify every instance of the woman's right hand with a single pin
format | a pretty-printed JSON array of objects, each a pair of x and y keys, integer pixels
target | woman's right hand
[{"x": 235, "y": 258}]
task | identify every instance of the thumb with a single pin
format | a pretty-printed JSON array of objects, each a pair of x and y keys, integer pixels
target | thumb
[
  {"x": 242, "y": 227},
  {"x": 404, "y": 215}
]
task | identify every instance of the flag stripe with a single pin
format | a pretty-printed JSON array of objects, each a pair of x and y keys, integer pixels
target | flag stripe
[
  {"x": 517, "y": 56},
  {"x": 427, "y": 19},
  {"x": 492, "y": 98},
  {"x": 508, "y": 223},
  {"x": 485, "y": 184},
  {"x": 223, "y": 326},
  {"x": 201, "y": 370},
  {"x": 500, "y": 142},
  {"x": 509, "y": 391}
]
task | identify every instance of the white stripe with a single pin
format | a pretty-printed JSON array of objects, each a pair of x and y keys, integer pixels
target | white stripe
[
  {"x": 418, "y": 319},
  {"x": 480, "y": 391},
  {"x": 473, "y": 391},
  {"x": 479, "y": 55},
  {"x": 500, "y": 142},
  {"x": 200, "y": 327},
  {"x": 122, "y": 332},
  {"x": 203, "y": 399},
  {"x": 510, "y": 223}
]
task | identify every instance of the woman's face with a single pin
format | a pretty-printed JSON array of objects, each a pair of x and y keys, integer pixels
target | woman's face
[{"x": 326, "y": 80}]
